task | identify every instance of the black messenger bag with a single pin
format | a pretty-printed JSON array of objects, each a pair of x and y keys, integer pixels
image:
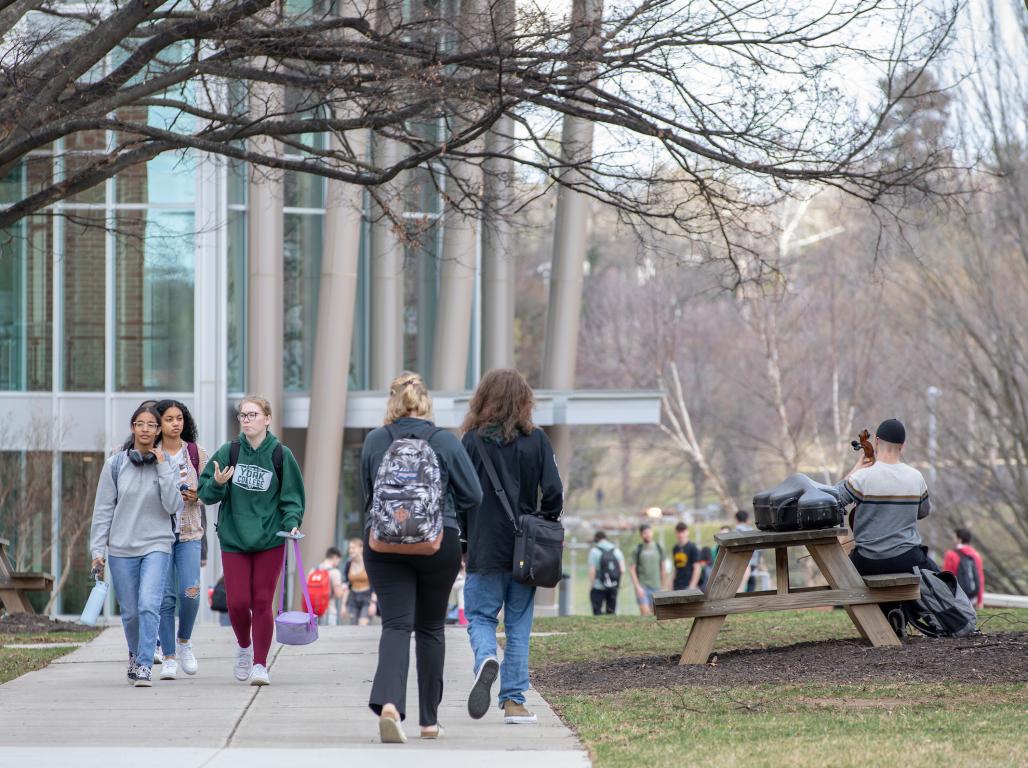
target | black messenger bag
[{"x": 538, "y": 542}]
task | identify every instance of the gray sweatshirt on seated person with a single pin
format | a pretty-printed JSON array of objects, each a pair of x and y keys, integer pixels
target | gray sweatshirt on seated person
[
  {"x": 136, "y": 516},
  {"x": 890, "y": 499}
]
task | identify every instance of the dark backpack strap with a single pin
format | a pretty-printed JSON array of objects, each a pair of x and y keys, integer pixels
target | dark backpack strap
[
  {"x": 276, "y": 462},
  {"x": 194, "y": 456},
  {"x": 233, "y": 452},
  {"x": 491, "y": 471}
]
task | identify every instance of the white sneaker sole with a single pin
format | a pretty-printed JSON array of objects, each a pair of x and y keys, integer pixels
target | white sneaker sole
[
  {"x": 259, "y": 681},
  {"x": 390, "y": 731},
  {"x": 521, "y": 720},
  {"x": 144, "y": 684},
  {"x": 168, "y": 675}
]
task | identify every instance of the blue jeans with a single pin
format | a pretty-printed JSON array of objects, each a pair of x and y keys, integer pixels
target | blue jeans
[
  {"x": 139, "y": 587},
  {"x": 182, "y": 588},
  {"x": 484, "y": 595}
]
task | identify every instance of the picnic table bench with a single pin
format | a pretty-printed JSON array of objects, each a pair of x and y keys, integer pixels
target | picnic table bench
[
  {"x": 13, "y": 584},
  {"x": 858, "y": 594}
]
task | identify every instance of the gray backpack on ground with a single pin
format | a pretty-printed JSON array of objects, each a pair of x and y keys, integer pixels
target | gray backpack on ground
[
  {"x": 406, "y": 506},
  {"x": 943, "y": 610}
]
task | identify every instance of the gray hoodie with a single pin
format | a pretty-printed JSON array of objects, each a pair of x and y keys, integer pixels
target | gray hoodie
[{"x": 136, "y": 517}]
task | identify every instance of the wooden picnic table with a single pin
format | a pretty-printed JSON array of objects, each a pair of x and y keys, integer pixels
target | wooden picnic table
[
  {"x": 859, "y": 595},
  {"x": 13, "y": 584}
]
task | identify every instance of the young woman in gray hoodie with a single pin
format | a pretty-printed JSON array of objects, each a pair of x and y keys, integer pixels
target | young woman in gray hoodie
[{"x": 133, "y": 530}]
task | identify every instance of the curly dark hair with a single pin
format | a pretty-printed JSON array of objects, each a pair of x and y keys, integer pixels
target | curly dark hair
[
  {"x": 188, "y": 425},
  {"x": 502, "y": 402}
]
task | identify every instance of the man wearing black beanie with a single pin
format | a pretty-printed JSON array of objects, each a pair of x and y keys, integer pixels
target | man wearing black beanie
[{"x": 891, "y": 497}]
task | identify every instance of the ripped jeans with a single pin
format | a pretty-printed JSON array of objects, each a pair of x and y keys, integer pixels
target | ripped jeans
[{"x": 182, "y": 589}]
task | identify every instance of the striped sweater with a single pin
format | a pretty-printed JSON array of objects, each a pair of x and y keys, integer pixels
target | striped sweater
[{"x": 890, "y": 499}]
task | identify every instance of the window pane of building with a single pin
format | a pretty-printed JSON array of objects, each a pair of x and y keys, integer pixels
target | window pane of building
[
  {"x": 80, "y": 473},
  {"x": 154, "y": 275},
  {"x": 25, "y": 305},
  {"x": 82, "y": 266},
  {"x": 25, "y": 509},
  {"x": 302, "y": 267}
]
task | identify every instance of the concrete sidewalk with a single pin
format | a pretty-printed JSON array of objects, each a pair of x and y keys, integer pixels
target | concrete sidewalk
[{"x": 80, "y": 712}]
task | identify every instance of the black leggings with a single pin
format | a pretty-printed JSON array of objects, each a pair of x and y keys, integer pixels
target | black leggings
[
  {"x": 413, "y": 593},
  {"x": 915, "y": 557}
]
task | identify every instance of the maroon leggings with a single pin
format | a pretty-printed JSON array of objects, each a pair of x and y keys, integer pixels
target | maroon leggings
[{"x": 250, "y": 581}]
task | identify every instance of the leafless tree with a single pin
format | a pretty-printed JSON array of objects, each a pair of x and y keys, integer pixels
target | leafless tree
[{"x": 702, "y": 109}]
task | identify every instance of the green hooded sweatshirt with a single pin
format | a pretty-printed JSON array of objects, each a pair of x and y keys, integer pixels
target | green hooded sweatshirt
[{"x": 253, "y": 506}]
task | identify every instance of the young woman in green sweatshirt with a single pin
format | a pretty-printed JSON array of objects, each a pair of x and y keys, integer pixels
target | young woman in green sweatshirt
[{"x": 261, "y": 493}]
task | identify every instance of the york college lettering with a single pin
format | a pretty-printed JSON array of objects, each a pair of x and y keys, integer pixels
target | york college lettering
[{"x": 251, "y": 478}]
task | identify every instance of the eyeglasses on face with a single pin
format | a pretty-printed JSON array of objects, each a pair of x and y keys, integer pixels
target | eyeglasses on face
[
  {"x": 149, "y": 426},
  {"x": 245, "y": 416}
]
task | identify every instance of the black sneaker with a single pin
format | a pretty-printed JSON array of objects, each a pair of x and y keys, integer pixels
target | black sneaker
[
  {"x": 143, "y": 677},
  {"x": 130, "y": 673},
  {"x": 481, "y": 692},
  {"x": 898, "y": 622}
]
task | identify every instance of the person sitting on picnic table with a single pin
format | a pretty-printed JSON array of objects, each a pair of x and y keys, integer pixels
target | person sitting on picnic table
[{"x": 891, "y": 497}]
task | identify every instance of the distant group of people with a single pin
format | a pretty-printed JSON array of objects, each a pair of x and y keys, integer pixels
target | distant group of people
[
  {"x": 149, "y": 525},
  {"x": 651, "y": 571}
]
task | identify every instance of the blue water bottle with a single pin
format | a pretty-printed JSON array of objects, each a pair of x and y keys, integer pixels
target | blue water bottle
[{"x": 95, "y": 603}]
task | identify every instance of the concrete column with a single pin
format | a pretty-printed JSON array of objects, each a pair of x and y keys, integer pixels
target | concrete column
[
  {"x": 264, "y": 312},
  {"x": 570, "y": 239},
  {"x": 497, "y": 253},
  {"x": 459, "y": 262},
  {"x": 337, "y": 298},
  {"x": 386, "y": 278}
]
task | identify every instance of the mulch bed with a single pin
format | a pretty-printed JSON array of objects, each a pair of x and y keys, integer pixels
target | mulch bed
[
  {"x": 34, "y": 624},
  {"x": 992, "y": 658}
]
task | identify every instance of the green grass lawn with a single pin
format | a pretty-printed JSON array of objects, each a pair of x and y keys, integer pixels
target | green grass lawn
[
  {"x": 15, "y": 662},
  {"x": 864, "y": 724}
]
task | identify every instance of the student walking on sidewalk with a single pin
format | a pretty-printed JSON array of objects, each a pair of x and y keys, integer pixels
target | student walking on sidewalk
[
  {"x": 258, "y": 483},
  {"x": 133, "y": 530},
  {"x": 189, "y": 553},
  {"x": 499, "y": 429},
  {"x": 410, "y": 470}
]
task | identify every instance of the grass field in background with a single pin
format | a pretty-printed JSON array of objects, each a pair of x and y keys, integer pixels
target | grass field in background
[{"x": 803, "y": 725}]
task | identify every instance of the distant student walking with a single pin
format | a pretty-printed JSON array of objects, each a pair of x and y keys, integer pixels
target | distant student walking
[
  {"x": 606, "y": 567},
  {"x": 499, "y": 429},
  {"x": 417, "y": 483},
  {"x": 964, "y": 562},
  {"x": 361, "y": 602},
  {"x": 189, "y": 554},
  {"x": 137, "y": 499},
  {"x": 258, "y": 483}
]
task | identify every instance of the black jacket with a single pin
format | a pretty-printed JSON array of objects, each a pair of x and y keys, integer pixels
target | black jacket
[
  {"x": 528, "y": 472},
  {"x": 461, "y": 489}
]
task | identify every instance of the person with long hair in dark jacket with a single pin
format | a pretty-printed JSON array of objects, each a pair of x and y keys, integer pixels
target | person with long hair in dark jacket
[
  {"x": 499, "y": 421},
  {"x": 413, "y": 589}
]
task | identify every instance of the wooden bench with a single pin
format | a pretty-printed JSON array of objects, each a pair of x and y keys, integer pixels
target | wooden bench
[
  {"x": 859, "y": 595},
  {"x": 13, "y": 584}
]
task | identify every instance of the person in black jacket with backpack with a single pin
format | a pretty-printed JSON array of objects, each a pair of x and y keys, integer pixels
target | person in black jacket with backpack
[
  {"x": 418, "y": 482},
  {"x": 499, "y": 424}
]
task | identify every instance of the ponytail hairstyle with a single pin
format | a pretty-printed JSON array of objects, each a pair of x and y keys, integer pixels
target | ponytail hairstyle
[
  {"x": 501, "y": 405},
  {"x": 408, "y": 396},
  {"x": 147, "y": 406}
]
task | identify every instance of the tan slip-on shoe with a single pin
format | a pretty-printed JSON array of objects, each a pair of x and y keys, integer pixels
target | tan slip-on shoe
[{"x": 517, "y": 714}]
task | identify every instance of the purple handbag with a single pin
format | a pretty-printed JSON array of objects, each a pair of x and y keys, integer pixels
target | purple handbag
[{"x": 295, "y": 627}]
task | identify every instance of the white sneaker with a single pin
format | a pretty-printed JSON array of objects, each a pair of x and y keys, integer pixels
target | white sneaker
[
  {"x": 244, "y": 663},
  {"x": 158, "y": 654},
  {"x": 184, "y": 652},
  {"x": 169, "y": 669},
  {"x": 259, "y": 675}
]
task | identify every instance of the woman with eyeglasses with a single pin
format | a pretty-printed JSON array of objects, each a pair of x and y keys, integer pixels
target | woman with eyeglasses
[
  {"x": 133, "y": 530},
  {"x": 189, "y": 554},
  {"x": 259, "y": 486}
]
